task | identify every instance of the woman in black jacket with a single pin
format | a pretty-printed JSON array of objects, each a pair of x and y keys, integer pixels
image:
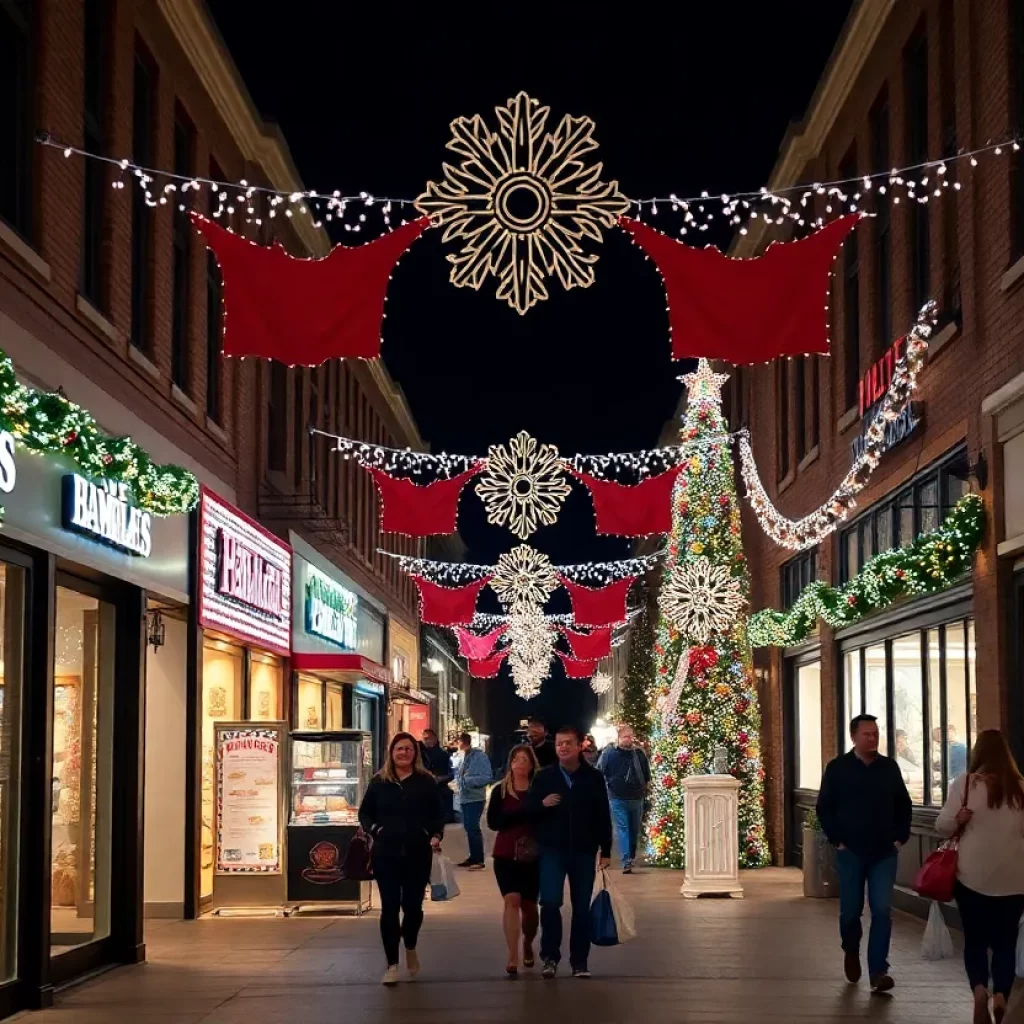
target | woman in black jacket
[{"x": 403, "y": 813}]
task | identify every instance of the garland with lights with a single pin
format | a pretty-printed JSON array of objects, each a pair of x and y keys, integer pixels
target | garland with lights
[
  {"x": 815, "y": 526},
  {"x": 932, "y": 563},
  {"x": 48, "y": 423},
  {"x": 639, "y": 682}
]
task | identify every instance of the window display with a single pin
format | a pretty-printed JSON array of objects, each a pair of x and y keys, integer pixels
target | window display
[
  {"x": 309, "y": 704},
  {"x": 330, "y": 773},
  {"x": 808, "y": 702},
  {"x": 266, "y": 683}
]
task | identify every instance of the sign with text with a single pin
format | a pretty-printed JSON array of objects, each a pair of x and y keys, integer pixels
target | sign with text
[
  {"x": 246, "y": 577},
  {"x": 870, "y": 392},
  {"x": 331, "y": 610},
  {"x": 101, "y": 510}
]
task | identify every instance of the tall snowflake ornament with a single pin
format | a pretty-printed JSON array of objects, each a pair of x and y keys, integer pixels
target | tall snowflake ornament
[
  {"x": 523, "y": 576},
  {"x": 523, "y": 485},
  {"x": 601, "y": 683},
  {"x": 700, "y": 598},
  {"x": 521, "y": 200}
]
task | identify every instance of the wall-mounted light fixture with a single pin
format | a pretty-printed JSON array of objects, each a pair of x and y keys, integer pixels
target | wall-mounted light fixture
[{"x": 156, "y": 632}]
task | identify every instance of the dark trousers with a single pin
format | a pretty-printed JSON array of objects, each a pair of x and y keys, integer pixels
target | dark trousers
[
  {"x": 990, "y": 923},
  {"x": 401, "y": 881},
  {"x": 471, "y": 815},
  {"x": 878, "y": 875},
  {"x": 580, "y": 869}
]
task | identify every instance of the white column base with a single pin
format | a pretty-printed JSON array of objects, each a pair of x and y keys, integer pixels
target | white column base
[{"x": 711, "y": 805}]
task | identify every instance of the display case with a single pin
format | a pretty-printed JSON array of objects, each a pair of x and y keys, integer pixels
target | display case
[{"x": 329, "y": 775}]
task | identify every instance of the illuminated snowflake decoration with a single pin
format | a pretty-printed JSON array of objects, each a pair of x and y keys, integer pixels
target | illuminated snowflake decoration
[
  {"x": 700, "y": 598},
  {"x": 522, "y": 577},
  {"x": 601, "y": 683},
  {"x": 521, "y": 200},
  {"x": 531, "y": 640},
  {"x": 523, "y": 485}
]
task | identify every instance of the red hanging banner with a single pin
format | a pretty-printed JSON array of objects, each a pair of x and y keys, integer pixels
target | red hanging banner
[
  {"x": 636, "y": 510},
  {"x": 601, "y": 606},
  {"x": 746, "y": 310},
  {"x": 419, "y": 510},
  {"x": 304, "y": 311},
  {"x": 486, "y": 668},
  {"x": 590, "y": 646},
  {"x": 477, "y": 647},
  {"x": 448, "y": 606},
  {"x": 576, "y": 669}
]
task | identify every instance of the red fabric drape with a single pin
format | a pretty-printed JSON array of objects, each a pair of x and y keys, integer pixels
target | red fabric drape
[
  {"x": 419, "y": 510},
  {"x": 601, "y": 606},
  {"x": 302, "y": 312},
  {"x": 576, "y": 669},
  {"x": 590, "y": 646},
  {"x": 477, "y": 647},
  {"x": 636, "y": 510},
  {"x": 746, "y": 310},
  {"x": 486, "y": 668},
  {"x": 448, "y": 606}
]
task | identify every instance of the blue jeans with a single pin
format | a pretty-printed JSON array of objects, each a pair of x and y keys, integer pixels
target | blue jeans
[
  {"x": 471, "y": 823},
  {"x": 879, "y": 875},
  {"x": 627, "y": 816},
  {"x": 580, "y": 869}
]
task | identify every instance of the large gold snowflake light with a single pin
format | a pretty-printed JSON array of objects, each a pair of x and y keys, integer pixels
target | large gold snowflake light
[
  {"x": 522, "y": 199},
  {"x": 523, "y": 485},
  {"x": 522, "y": 577},
  {"x": 700, "y": 598}
]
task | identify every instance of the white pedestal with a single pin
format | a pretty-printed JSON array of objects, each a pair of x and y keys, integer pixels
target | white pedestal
[{"x": 711, "y": 806}]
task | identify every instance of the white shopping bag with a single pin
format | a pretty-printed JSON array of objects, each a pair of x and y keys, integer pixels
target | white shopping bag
[
  {"x": 625, "y": 920},
  {"x": 937, "y": 943},
  {"x": 443, "y": 886}
]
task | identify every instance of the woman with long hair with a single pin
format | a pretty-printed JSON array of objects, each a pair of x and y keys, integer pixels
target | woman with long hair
[
  {"x": 402, "y": 811},
  {"x": 515, "y": 854},
  {"x": 986, "y": 806}
]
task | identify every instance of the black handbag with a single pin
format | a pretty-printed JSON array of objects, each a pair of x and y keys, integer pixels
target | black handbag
[
  {"x": 358, "y": 864},
  {"x": 527, "y": 850}
]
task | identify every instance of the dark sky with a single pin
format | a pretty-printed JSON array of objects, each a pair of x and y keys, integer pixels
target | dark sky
[{"x": 682, "y": 102}]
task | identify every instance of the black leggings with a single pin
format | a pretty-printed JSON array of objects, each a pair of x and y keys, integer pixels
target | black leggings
[
  {"x": 401, "y": 882},
  {"x": 990, "y": 923}
]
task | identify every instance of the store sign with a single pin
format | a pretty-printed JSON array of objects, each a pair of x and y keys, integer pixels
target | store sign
[
  {"x": 102, "y": 510},
  {"x": 246, "y": 577},
  {"x": 331, "y": 611},
  {"x": 870, "y": 392},
  {"x": 248, "y": 818}
]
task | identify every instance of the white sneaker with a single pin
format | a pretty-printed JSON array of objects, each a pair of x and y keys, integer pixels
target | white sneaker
[
  {"x": 391, "y": 975},
  {"x": 412, "y": 962}
]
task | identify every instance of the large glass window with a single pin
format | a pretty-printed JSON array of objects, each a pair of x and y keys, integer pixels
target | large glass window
[
  {"x": 875, "y": 702},
  {"x": 853, "y": 694},
  {"x": 17, "y": 125},
  {"x": 808, "y": 709},
  {"x": 908, "y": 712},
  {"x": 797, "y": 573},
  {"x": 309, "y": 709},
  {"x": 266, "y": 683},
  {"x": 83, "y": 688}
]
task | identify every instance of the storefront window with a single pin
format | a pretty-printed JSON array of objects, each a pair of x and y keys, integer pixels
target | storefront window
[
  {"x": 335, "y": 712},
  {"x": 83, "y": 684},
  {"x": 874, "y": 691},
  {"x": 956, "y": 701},
  {"x": 935, "y": 714},
  {"x": 309, "y": 704},
  {"x": 908, "y": 712},
  {"x": 852, "y": 702},
  {"x": 223, "y": 671},
  {"x": 808, "y": 703},
  {"x": 266, "y": 683}
]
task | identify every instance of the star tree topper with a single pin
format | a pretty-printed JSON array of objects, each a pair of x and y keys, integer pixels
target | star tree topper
[{"x": 704, "y": 386}]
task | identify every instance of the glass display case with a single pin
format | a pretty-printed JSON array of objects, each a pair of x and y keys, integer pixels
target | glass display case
[{"x": 330, "y": 773}]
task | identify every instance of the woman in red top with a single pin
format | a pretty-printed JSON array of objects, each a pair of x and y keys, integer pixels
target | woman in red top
[{"x": 515, "y": 854}]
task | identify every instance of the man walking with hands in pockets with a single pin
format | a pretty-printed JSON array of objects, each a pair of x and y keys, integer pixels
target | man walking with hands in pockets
[
  {"x": 627, "y": 775},
  {"x": 575, "y": 828}
]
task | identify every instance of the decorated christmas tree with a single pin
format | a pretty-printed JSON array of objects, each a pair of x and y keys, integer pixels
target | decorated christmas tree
[
  {"x": 705, "y": 707},
  {"x": 639, "y": 684}
]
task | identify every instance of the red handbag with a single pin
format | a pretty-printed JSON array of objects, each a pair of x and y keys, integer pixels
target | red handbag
[{"x": 937, "y": 878}]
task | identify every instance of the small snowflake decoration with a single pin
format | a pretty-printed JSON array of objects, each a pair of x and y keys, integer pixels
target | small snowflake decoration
[
  {"x": 700, "y": 598},
  {"x": 523, "y": 485},
  {"x": 523, "y": 576},
  {"x": 601, "y": 683}
]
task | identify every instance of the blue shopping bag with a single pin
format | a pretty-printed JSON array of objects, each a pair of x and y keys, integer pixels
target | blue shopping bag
[{"x": 603, "y": 930}]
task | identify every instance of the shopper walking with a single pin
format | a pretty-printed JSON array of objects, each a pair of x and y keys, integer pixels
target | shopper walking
[
  {"x": 575, "y": 827},
  {"x": 543, "y": 748},
  {"x": 402, "y": 811},
  {"x": 987, "y": 806},
  {"x": 438, "y": 762},
  {"x": 865, "y": 809},
  {"x": 473, "y": 776},
  {"x": 511, "y": 817},
  {"x": 627, "y": 773}
]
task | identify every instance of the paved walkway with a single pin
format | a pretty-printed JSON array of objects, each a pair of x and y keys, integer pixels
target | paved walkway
[{"x": 771, "y": 958}]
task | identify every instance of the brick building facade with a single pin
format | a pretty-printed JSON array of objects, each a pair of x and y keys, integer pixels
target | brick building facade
[{"x": 906, "y": 83}]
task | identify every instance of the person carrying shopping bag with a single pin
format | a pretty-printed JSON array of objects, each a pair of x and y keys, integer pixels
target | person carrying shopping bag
[
  {"x": 986, "y": 807},
  {"x": 403, "y": 813}
]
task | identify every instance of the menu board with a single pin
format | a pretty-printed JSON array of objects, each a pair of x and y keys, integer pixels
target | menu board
[{"x": 248, "y": 800}]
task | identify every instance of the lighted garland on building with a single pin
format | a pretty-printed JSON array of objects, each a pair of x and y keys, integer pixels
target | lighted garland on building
[
  {"x": 933, "y": 562},
  {"x": 48, "y": 423}
]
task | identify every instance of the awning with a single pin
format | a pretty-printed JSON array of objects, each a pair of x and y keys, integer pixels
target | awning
[
  {"x": 340, "y": 662},
  {"x": 410, "y": 695}
]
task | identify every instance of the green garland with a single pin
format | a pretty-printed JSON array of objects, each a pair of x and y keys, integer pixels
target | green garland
[
  {"x": 48, "y": 423},
  {"x": 934, "y": 562}
]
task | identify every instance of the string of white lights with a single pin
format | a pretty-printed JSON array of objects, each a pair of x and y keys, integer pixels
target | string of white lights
[{"x": 815, "y": 526}]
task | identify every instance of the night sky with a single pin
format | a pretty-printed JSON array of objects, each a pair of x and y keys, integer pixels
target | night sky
[{"x": 696, "y": 100}]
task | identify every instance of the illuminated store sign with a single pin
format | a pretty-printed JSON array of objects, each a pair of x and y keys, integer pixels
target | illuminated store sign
[
  {"x": 871, "y": 390},
  {"x": 331, "y": 611},
  {"x": 102, "y": 511}
]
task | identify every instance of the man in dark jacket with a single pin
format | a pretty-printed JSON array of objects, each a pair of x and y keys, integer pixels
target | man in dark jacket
[
  {"x": 575, "y": 827},
  {"x": 438, "y": 762},
  {"x": 865, "y": 811},
  {"x": 543, "y": 748},
  {"x": 627, "y": 774}
]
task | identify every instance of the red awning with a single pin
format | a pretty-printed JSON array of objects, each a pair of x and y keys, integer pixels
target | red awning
[{"x": 340, "y": 662}]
